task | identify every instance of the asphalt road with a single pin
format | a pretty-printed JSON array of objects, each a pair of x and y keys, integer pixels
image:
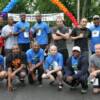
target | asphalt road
[{"x": 46, "y": 92}]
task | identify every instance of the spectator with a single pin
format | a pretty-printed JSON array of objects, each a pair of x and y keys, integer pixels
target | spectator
[
  {"x": 77, "y": 70},
  {"x": 41, "y": 32},
  {"x": 9, "y": 35},
  {"x": 95, "y": 29},
  {"x": 3, "y": 73},
  {"x": 35, "y": 58},
  {"x": 53, "y": 66},
  {"x": 94, "y": 68},
  {"x": 22, "y": 29},
  {"x": 80, "y": 36},
  {"x": 1, "y": 38},
  {"x": 16, "y": 66}
]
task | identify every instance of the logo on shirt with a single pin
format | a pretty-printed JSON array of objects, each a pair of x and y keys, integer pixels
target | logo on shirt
[{"x": 16, "y": 63}]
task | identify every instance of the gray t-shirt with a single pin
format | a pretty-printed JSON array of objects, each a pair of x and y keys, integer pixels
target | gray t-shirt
[
  {"x": 61, "y": 44},
  {"x": 94, "y": 61},
  {"x": 10, "y": 40}
]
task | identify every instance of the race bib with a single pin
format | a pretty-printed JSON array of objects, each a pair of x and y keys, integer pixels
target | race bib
[
  {"x": 95, "y": 34},
  {"x": 96, "y": 82},
  {"x": 39, "y": 32},
  {"x": 26, "y": 34},
  {"x": 55, "y": 65}
]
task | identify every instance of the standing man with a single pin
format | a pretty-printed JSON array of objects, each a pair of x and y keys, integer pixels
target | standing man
[
  {"x": 35, "y": 59},
  {"x": 22, "y": 29},
  {"x": 1, "y": 38},
  {"x": 9, "y": 35},
  {"x": 94, "y": 68},
  {"x": 60, "y": 34},
  {"x": 80, "y": 36},
  {"x": 41, "y": 32},
  {"x": 53, "y": 66},
  {"x": 95, "y": 29}
]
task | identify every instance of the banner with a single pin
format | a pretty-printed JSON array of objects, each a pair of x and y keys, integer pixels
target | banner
[{"x": 31, "y": 17}]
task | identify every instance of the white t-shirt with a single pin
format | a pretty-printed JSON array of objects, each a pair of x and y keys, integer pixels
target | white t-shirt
[{"x": 11, "y": 40}]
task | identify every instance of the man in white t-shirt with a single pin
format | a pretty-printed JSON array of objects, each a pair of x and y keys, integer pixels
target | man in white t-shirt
[{"x": 8, "y": 34}]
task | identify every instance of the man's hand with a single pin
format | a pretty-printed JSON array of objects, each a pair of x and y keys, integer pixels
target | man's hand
[
  {"x": 49, "y": 73},
  {"x": 31, "y": 69},
  {"x": 81, "y": 35},
  {"x": 69, "y": 78},
  {"x": 23, "y": 30},
  {"x": 58, "y": 33},
  {"x": 73, "y": 38},
  {"x": 93, "y": 74},
  {"x": 10, "y": 88}
]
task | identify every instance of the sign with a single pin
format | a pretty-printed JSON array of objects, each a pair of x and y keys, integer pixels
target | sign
[{"x": 31, "y": 17}]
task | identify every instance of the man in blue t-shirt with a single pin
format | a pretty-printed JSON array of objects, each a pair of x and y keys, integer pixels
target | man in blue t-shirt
[
  {"x": 22, "y": 29},
  {"x": 35, "y": 58},
  {"x": 3, "y": 74},
  {"x": 41, "y": 32},
  {"x": 95, "y": 29},
  {"x": 53, "y": 66}
]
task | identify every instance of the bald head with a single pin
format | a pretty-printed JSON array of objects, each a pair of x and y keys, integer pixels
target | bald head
[
  {"x": 53, "y": 49},
  {"x": 35, "y": 46},
  {"x": 97, "y": 49}
]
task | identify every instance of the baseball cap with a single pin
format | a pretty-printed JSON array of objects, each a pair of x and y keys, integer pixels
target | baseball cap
[
  {"x": 76, "y": 48},
  {"x": 96, "y": 17}
]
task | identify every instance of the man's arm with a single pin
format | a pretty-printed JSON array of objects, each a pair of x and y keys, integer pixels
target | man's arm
[
  {"x": 19, "y": 69},
  {"x": 64, "y": 36},
  {"x": 56, "y": 37}
]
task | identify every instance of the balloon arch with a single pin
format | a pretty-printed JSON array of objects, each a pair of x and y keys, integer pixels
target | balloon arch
[{"x": 57, "y": 3}]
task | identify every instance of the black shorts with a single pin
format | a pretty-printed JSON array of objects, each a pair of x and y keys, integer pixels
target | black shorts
[
  {"x": 24, "y": 47},
  {"x": 97, "y": 85}
]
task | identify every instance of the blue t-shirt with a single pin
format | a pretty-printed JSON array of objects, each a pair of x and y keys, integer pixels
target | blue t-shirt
[
  {"x": 23, "y": 37},
  {"x": 1, "y": 63},
  {"x": 58, "y": 58},
  {"x": 35, "y": 57},
  {"x": 95, "y": 37},
  {"x": 42, "y": 30},
  {"x": 74, "y": 63},
  {"x": 1, "y": 60}
]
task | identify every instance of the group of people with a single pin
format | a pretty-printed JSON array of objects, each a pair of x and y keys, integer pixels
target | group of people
[{"x": 41, "y": 52}]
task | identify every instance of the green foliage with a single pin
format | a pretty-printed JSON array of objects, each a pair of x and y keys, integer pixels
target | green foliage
[
  {"x": 87, "y": 7},
  {"x": 3, "y": 3}
]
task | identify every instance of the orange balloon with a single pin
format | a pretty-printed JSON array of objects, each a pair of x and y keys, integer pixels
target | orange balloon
[{"x": 66, "y": 11}]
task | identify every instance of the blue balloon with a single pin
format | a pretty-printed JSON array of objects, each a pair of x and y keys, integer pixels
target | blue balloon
[{"x": 10, "y": 6}]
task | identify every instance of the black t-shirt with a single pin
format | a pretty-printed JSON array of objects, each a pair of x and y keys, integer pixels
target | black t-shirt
[
  {"x": 14, "y": 61},
  {"x": 82, "y": 42},
  {"x": 61, "y": 44},
  {"x": 1, "y": 28}
]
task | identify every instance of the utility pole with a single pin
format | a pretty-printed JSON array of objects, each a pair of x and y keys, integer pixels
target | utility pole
[{"x": 78, "y": 10}]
